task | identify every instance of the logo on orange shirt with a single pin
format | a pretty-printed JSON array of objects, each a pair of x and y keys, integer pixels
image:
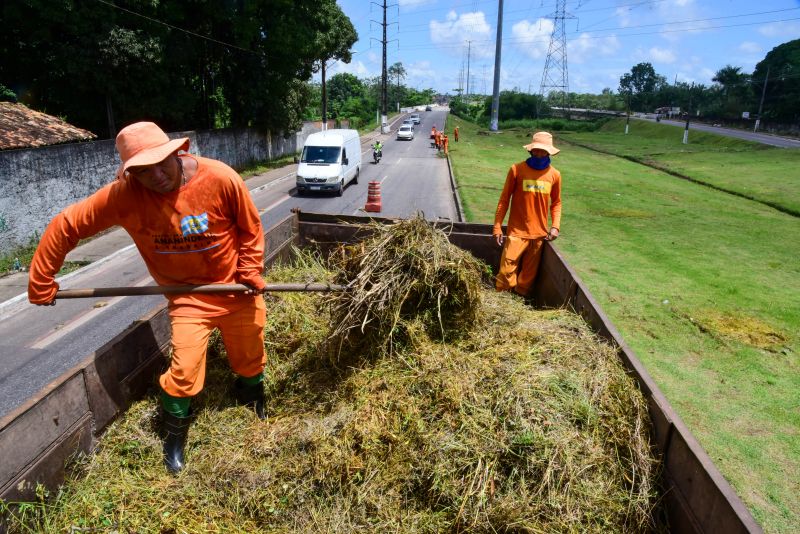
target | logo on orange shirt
[
  {"x": 194, "y": 224},
  {"x": 536, "y": 186}
]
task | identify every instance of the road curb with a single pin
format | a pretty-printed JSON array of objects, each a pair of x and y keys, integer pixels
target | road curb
[{"x": 454, "y": 187}]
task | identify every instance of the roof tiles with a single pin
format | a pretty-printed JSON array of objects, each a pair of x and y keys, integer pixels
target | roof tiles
[{"x": 22, "y": 127}]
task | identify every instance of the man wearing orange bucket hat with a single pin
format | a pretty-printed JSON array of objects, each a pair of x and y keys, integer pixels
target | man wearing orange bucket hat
[
  {"x": 194, "y": 222},
  {"x": 533, "y": 188}
]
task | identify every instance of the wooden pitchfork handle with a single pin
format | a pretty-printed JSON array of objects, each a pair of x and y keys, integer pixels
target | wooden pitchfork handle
[{"x": 183, "y": 290}]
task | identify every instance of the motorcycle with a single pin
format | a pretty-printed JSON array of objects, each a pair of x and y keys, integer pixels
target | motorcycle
[{"x": 376, "y": 155}]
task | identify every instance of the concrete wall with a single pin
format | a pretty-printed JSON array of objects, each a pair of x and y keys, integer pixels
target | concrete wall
[{"x": 37, "y": 183}]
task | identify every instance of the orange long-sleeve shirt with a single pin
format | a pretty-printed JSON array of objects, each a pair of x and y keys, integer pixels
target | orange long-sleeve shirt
[
  {"x": 205, "y": 232},
  {"x": 529, "y": 191}
]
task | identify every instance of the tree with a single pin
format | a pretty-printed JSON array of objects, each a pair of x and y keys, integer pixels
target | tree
[
  {"x": 341, "y": 88},
  {"x": 98, "y": 66},
  {"x": 782, "y": 99},
  {"x": 640, "y": 84},
  {"x": 6, "y": 94},
  {"x": 397, "y": 71},
  {"x": 734, "y": 88},
  {"x": 334, "y": 38},
  {"x": 730, "y": 77}
]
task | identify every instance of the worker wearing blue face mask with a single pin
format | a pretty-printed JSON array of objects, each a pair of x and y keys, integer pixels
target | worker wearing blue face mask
[{"x": 533, "y": 189}]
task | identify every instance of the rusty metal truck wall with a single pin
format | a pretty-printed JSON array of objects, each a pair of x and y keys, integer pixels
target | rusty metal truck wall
[{"x": 697, "y": 497}]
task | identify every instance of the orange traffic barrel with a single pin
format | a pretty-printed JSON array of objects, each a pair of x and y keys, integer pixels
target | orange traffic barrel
[{"x": 373, "y": 197}]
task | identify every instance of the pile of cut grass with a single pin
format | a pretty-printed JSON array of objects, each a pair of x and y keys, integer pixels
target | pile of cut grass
[
  {"x": 524, "y": 423},
  {"x": 407, "y": 270}
]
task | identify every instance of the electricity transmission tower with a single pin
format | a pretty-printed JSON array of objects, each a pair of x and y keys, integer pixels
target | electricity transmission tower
[{"x": 555, "y": 76}]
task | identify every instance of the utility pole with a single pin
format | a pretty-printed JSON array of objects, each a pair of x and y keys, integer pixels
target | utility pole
[
  {"x": 324, "y": 100},
  {"x": 469, "y": 51},
  {"x": 628, "y": 112},
  {"x": 384, "y": 108},
  {"x": 688, "y": 114},
  {"x": 384, "y": 112},
  {"x": 761, "y": 104},
  {"x": 496, "y": 85}
]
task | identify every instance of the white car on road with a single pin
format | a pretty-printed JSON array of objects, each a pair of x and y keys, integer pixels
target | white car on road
[{"x": 406, "y": 132}]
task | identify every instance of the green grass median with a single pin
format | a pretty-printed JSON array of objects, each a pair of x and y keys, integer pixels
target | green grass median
[
  {"x": 702, "y": 284},
  {"x": 760, "y": 172}
]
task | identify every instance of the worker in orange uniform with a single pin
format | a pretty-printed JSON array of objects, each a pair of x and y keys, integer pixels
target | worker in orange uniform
[
  {"x": 438, "y": 140},
  {"x": 455, "y": 133},
  {"x": 194, "y": 222},
  {"x": 445, "y": 143},
  {"x": 530, "y": 187},
  {"x": 433, "y": 136}
]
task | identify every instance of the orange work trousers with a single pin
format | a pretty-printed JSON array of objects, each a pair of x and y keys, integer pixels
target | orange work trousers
[
  {"x": 519, "y": 264},
  {"x": 243, "y": 336}
]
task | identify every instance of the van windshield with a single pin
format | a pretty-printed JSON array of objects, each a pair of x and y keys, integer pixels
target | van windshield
[{"x": 320, "y": 154}]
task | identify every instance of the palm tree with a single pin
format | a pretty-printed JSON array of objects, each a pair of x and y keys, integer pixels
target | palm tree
[{"x": 729, "y": 77}]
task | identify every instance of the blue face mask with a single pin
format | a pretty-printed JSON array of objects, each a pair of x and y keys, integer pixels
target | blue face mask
[{"x": 539, "y": 164}]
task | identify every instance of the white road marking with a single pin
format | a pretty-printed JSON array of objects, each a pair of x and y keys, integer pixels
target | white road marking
[
  {"x": 14, "y": 304},
  {"x": 271, "y": 183},
  {"x": 284, "y": 198},
  {"x": 83, "y": 319}
]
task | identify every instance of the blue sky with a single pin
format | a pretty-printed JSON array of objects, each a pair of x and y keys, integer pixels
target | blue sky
[{"x": 687, "y": 40}]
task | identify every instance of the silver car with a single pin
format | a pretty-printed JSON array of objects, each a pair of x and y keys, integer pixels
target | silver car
[{"x": 405, "y": 132}]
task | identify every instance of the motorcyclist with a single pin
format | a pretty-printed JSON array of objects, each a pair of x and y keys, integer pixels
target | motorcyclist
[{"x": 377, "y": 147}]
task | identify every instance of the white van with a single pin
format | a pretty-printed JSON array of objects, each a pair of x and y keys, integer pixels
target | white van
[{"x": 330, "y": 160}]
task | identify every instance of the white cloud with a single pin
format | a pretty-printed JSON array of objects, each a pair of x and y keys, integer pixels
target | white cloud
[
  {"x": 706, "y": 74},
  {"x": 457, "y": 29},
  {"x": 683, "y": 77},
  {"x": 624, "y": 16},
  {"x": 373, "y": 57},
  {"x": 421, "y": 74},
  {"x": 354, "y": 67},
  {"x": 780, "y": 29},
  {"x": 532, "y": 38},
  {"x": 749, "y": 47},
  {"x": 586, "y": 46},
  {"x": 413, "y": 3},
  {"x": 661, "y": 55}
]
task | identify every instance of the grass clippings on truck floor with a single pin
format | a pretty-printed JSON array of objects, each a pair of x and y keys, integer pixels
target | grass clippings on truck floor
[{"x": 524, "y": 422}]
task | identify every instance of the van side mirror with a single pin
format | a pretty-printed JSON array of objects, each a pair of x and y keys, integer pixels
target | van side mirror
[
  {"x": 345, "y": 161},
  {"x": 296, "y": 159}
]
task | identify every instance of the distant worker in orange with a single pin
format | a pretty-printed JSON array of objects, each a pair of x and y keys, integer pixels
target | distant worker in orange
[
  {"x": 433, "y": 136},
  {"x": 455, "y": 133},
  {"x": 194, "y": 223},
  {"x": 533, "y": 187},
  {"x": 445, "y": 143}
]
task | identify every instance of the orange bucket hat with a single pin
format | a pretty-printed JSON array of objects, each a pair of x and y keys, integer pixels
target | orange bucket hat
[
  {"x": 144, "y": 143},
  {"x": 544, "y": 141}
]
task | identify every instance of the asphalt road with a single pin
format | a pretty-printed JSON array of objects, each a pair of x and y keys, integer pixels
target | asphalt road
[
  {"x": 767, "y": 139},
  {"x": 37, "y": 344}
]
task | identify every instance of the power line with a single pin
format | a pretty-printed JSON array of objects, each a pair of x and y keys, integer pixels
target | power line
[
  {"x": 662, "y": 23},
  {"x": 705, "y": 28},
  {"x": 205, "y": 37}
]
